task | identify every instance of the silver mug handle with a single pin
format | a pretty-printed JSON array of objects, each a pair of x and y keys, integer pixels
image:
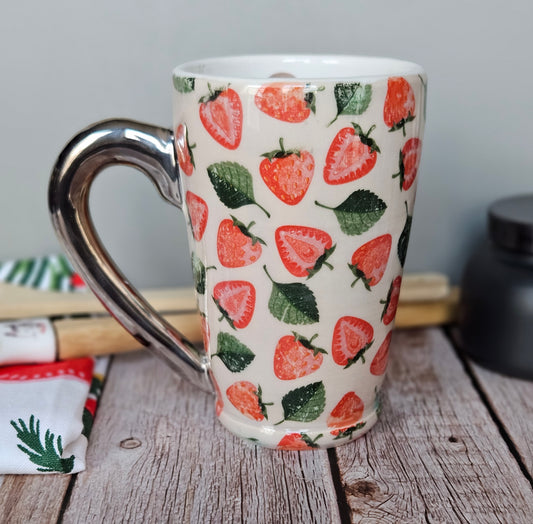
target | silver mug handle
[{"x": 151, "y": 150}]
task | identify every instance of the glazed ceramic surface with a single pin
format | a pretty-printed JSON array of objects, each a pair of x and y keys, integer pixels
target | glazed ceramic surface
[{"x": 299, "y": 177}]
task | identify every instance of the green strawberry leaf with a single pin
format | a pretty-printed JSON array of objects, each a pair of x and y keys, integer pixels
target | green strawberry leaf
[
  {"x": 359, "y": 212},
  {"x": 321, "y": 261},
  {"x": 304, "y": 404},
  {"x": 311, "y": 442},
  {"x": 359, "y": 274},
  {"x": 225, "y": 314},
  {"x": 401, "y": 123},
  {"x": 262, "y": 405},
  {"x": 352, "y": 98},
  {"x": 360, "y": 355},
  {"x": 347, "y": 432},
  {"x": 403, "y": 241},
  {"x": 292, "y": 303},
  {"x": 245, "y": 230},
  {"x": 233, "y": 185},
  {"x": 183, "y": 84},
  {"x": 198, "y": 273},
  {"x": 308, "y": 343},
  {"x": 281, "y": 152},
  {"x": 233, "y": 353}
]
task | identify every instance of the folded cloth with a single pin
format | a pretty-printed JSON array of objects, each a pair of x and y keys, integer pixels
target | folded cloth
[{"x": 47, "y": 410}]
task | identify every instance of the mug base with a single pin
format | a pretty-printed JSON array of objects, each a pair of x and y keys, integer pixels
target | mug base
[{"x": 296, "y": 438}]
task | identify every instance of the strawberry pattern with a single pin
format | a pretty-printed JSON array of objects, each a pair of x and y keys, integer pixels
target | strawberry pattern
[{"x": 297, "y": 252}]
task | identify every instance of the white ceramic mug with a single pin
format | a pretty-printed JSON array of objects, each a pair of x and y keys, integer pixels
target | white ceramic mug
[{"x": 297, "y": 176}]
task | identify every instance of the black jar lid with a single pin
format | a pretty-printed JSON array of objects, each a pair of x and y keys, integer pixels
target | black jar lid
[{"x": 511, "y": 223}]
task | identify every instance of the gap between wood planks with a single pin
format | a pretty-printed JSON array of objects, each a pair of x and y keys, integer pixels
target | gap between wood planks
[{"x": 448, "y": 332}]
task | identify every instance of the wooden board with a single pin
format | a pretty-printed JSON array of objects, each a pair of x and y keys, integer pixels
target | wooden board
[
  {"x": 436, "y": 455},
  {"x": 512, "y": 402},
  {"x": 158, "y": 454},
  {"x": 29, "y": 499}
]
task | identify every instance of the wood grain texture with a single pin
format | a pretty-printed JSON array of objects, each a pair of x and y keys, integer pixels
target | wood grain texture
[
  {"x": 512, "y": 401},
  {"x": 35, "y": 499},
  {"x": 157, "y": 454},
  {"x": 436, "y": 455}
]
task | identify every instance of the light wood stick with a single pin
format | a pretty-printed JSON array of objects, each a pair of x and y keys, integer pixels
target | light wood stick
[
  {"x": 21, "y": 302},
  {"x": 103, "y": 335}
]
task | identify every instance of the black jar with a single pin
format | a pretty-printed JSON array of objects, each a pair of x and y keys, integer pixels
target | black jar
[{"x": 496, "y": 309}]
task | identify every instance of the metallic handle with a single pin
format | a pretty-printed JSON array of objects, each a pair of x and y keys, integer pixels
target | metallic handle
[{"x": 150, "y": 149}]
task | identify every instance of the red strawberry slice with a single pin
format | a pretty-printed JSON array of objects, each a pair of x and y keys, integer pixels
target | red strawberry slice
[
  {"x": 352, "y": 337},
  {"x": 351, "y": 155},
  {"x": 288, "y": 173},
  {"x": 236, "y": 301},
  {"x": 399, "y": 105},
  {"x": 391, "y": 302},
  {"x": 346, "y": 415},
  {"x": 296, "y": 357},
  {"x": 198, "y": 213},
  {"x": 221, "y": 115},
  {"x": 408, "y": 163},
  {"x": 379, "y": 362},
  {"x": 246, "y": 397},
  {"x": 370, "y": 261},
  {"x": 184, "y": 150},
  {"x": 236, "y": 246},
  {"x": 303, "y": 250},
  {"x": 297, "y": 442},
  {"x": 286, "y": 102}
]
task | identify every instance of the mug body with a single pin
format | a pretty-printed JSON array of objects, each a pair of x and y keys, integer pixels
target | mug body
[{"x": 298, "y": 176}]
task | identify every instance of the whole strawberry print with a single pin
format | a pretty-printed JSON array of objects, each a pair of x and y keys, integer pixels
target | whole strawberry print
[
  {"x": 379, "y": 362},
  {"x": 285, "y": 101},
  {"x": 296, "y": 357},
  {"x": 184, "y": 150},
  {"x": 247, "y": 398},
  {"x": 399, "y": 108},
  {"x": 408, "y": 163},
  {"x": 288, "y": 173},
  {"x": 236, "y": 301},
  {"x": 198, "y": 213},
  {"x": 351, "y": 155},
  {"x": 303, "y": 250},
  {"x": 370, "y": 261},
  {"x": 236, "y": 245},
  {"x": 352, "y": 337},
  {"x": 221, "y": 115},
  {"x": 391, "y": 302},
  {"x": 345, "y": 416}
]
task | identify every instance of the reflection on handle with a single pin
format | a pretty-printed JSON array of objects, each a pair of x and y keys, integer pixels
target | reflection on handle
[{"x": 150, "y": 149}]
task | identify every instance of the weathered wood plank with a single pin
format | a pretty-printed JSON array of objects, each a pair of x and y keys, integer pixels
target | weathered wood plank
[
  {"x": 32, "y": 498},
  {"x": 512, "y": 401},
  {"x": 436, "y": 455},
  {"x": 157, "y": 454}
]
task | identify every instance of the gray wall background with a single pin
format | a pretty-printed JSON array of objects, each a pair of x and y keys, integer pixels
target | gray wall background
[{"x": 65, "y": 64}]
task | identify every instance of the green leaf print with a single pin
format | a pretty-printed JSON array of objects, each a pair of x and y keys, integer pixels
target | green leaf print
[
  {"x": 233, "y": 185},
  {"x": 304, "y": 404},
  {"x": 183, "y": 84},
  {"x": 233, "y": 353},
  {"x": 348, "y": 432},
  {"x": 403, "y": 241},
  {"x": 359, "y": 212},
  {"x": 352, "y": 98},
  {"x": 198, "y": 273},
  {"x": 47, "y": 455},
  {"x": 292, "y": 303}
]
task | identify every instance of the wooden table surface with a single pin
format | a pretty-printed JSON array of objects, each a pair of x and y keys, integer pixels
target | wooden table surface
[{"x": 454, "y": 444}]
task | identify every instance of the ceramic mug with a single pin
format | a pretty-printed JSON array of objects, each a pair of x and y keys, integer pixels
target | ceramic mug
[{"x": 297, "y": 176}]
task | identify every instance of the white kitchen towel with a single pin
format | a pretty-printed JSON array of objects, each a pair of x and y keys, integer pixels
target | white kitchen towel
[{"x": 47, "y": 410}]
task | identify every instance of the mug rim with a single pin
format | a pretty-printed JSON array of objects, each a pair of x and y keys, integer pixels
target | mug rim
[{"x": 339, "y": 67}]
